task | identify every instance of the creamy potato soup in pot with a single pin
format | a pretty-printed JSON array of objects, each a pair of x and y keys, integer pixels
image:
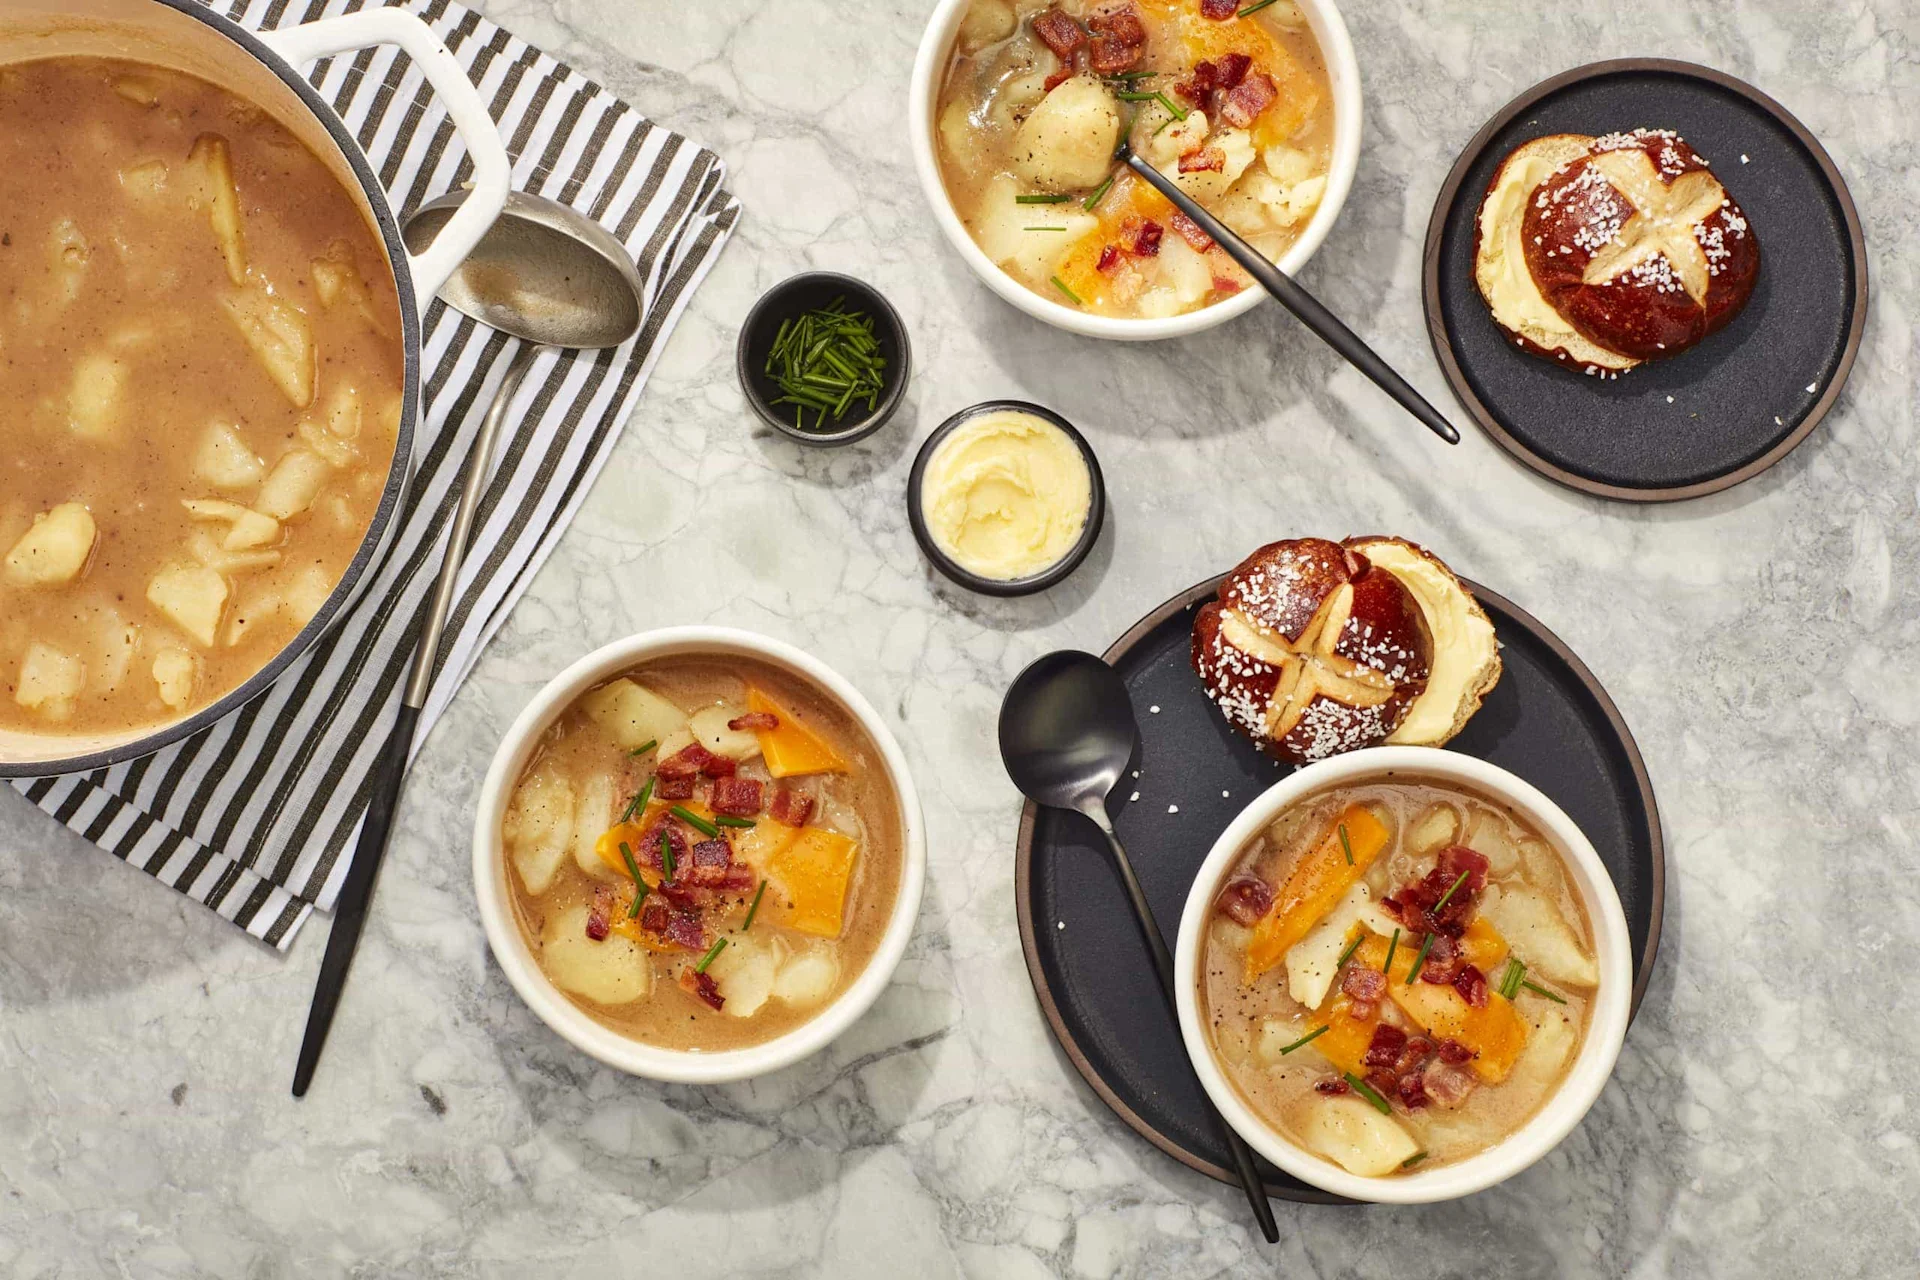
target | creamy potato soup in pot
[
  {"x": 704, "y": 852},
  {"x": 1235, "y": 109},
  {"x": 202, "y": 363},
  {"x": 1397, "y": 975}
]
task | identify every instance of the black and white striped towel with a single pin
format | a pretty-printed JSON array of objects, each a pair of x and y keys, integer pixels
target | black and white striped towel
[{"x": 253, "y": 816}]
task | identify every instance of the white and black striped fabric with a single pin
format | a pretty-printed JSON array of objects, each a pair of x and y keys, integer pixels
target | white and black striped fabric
[{"x": 254, "y": 817}]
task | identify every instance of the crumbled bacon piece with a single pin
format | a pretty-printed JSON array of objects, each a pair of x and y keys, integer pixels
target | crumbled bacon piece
[
  {"x": 1225, "y": 284},
  {"x": 1362, "y": 983},
  {"x": 1443, "y": 961},
  {"x": 1205, "y": 160},
  {"x": 1118, "y": 41},
  {"x": 1332, "y": 1085},
  {"x": 1384, "y": 1049},
  {"x": 1059, "y": 33},
  {"x": 791, "y": 807},
  {"x": 672, "y": 788},
  {"x": 1190, "y": 230},
  {"x": 1248, "y": 99},
  {"x": 757, "y": 721},
  {"x": 1453, "y": 1051},
  {"x": 1146, "y": 239},
  {"x": 684, "y": 929},
  {"x": 1245, "y": 900},
  {"x": 1472, "y": 986},
  {"x": 1384, "y": 1082},
  {"x": 709, "y": 854},
  {"x": 736, "y": 797},
  {"x": 1445, "y": 1084},
  {"x": 600, "y": 918},
  {"x": 1416, "y": 1051},
  {"x": 664, "y": 831},
  {"x": 1457, "y": 858},
  {"x": 1362, "y": 1010},
  {"x": 1109, "y": 258},
  {"x": 1230, "y": 70},
  {"x": 702, "y": 987},
  {"x": 1219, "y": 10},
  {"x": 1412, "y": 1092}
]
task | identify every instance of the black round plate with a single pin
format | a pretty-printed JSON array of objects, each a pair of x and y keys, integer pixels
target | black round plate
[
  {"x": 1548, "y": 720},
  {"x": 1733, "y": 405}
]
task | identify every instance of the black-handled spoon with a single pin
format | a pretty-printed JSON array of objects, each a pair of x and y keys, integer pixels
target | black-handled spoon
[
  {"x": 1305, "y": 307},
  {"x": 1067, "y": 731}
]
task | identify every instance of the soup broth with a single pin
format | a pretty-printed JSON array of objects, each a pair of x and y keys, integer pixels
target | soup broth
[
  {"x": 783, "y": 844},
  {"x": 1236, "y": 110},
  {"x": 200, "y": 350},
  {"x": 1397, "y": 975}
]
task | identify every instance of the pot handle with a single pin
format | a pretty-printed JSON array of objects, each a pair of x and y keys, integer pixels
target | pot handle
[{"x": 465, "y": 107}]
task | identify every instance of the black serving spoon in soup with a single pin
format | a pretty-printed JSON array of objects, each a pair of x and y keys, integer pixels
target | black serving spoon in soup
[
  {"x": 1067, "y": 732},
  {"x": 1306, "y": 308},
  {"x": 552, "y": 278}
]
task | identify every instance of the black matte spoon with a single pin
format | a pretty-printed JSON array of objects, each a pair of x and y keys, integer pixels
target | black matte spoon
[
  {"x": 1305, "y": 307},
  {"x": 1067, "y": 731}
]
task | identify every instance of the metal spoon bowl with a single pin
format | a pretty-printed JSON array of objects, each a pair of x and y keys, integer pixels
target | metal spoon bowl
[
  {"x": 551, "y": 277},
  {"x": 1067, "y": 734}
]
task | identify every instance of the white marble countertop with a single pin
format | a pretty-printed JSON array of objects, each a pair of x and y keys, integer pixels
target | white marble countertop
[{"x": 1759, "y": 642}]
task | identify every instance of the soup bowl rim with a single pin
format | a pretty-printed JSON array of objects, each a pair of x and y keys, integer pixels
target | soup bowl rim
[
  {"x": 1608, "y": 1012},
  {"x": 929, "y": 73},
  {"x": 493, "y": 891}
]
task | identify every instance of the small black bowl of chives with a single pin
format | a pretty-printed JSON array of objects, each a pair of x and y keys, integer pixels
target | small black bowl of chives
[{"x": 823, "y": 359}]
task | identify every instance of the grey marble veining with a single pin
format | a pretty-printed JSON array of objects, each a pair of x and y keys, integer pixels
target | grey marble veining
[{"x": 1761, "y": 643}]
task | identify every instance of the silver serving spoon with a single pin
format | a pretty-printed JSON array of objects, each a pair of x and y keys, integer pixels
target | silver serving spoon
[
  {"x": 1067, "y": 732},
  {"x": 552, "y": 278}
]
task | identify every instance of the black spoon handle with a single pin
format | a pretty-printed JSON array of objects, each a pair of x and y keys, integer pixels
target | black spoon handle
[
  {"x": 1163, "y": 965},
  {"x": 1307, "y": 308}
]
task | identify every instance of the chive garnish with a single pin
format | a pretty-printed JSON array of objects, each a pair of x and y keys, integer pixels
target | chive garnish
[
  {"x": 1098, "y": 192},
  {"x": 826, "y": 360},
  {"x": 728, "y": 820},
  {"x": 1392, "y": 947},
  {"x": 694, "y": 820},
  {"x": 707, "y": 959},
  {"x": 645, "y": 747},
  {"x": 1539, "y": 990},
  {"x": 1061, "y": 285},
  {"x": 639, "y": 885},
  {"x": 1155, "y": 96},
  {"x": 1130, "y": 76},
  {"x": 1346, "y": 846},
  {"x": 1255, "y": 8},
  {"x": 1043, "y": 228},
  {"x": 639, "y": 801},
  {"x": 1417, "y": 1156},
  {"x": 666, "y": 855},
  {"x": 1449, "y": 893},
  {"x": 1510, "y": 978},
  {"x": 1419, "y": 960},
  {"x": 1311, "y": 1036},
  {"x": 1351, "y": 948},
  {"x": 1366, "y": 1091},
  {"x": 754, "y": 910},
  {"x": 1049, "y": 199}
]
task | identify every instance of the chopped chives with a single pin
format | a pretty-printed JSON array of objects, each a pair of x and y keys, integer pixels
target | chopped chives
[
  {"x": 1130, "y": 76},
  {"x": 1256, "y": 7},
  {"x": 1098, "y": 192},
  {"x": 1392, "y": 947},
  {"x": 1308, "y": 1038},
  {"x": 1539, "y": 990},
  {"x": 1351, "y": 948},
  {"x": 1449, "y": 893},
  {"x": 1366, "y": 1091},
  {"x": 1061, "y": 285},
  {"x": 1043, "y": 228},
  {"x": 640, "y": 886},
  {"x": 1047, "y": 199},
  {"x": 639, "y": 801},
  {"x": 826, "y": 360},
  {"x": 728, "y": 820},
  {"x": 666, "y": 854},
  {"x": 707, "y": 959},
  {"x": 1510, "y": 978},
  {"x": 1417, "y": 1156},
  {"x": 1155, "y": 96},
  {"x": 694, "y": 820},
  {"x": 645, "y": 747},
  {"x": 1346, "y": 845},
  {"x": 754, "y": 910},
  {"x": 1419, "y": 960}
]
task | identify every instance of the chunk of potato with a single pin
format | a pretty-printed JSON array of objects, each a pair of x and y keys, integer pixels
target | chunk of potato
[
  {"x": 1066, "y": 143},
  {"x": 247, "y": 529},
  {"x": 1549, "y": 1045},
  {"x": 709, "y": 725},
  {"x": 1312, "y": 961},
  {"x": 538, "y": 829},
  {"x": 1180, "y": 278},
  {"x": 146, "y": 180},
  {"x": 293, "y": 484},
  {"x": 224, "y": 461},
  {"x": 1209, "y": 185},
  {"x": 110, "y": 652},
  {"x": 745, "y": 969},
  {"x": 206, "y": 549},
  {"x": 192, "y": 599},
  {"x": 97, "y": 396},
  {"x": 137, "y": 89},
  {"x": 279, "y": 337},
  {"x": 633, "y": 715},
  {"x": 592, "y": 817},
  {"x": 209, "y": 153},
  {"x": 807, "y": 978},
  {"x": 612, "y": 971},
  {"x": 1348, "y": 1131},
  {"x": 174, "y": 671},
  {"x": 1002, "y": 226},
  {"x": 307, "y": 593},
  {"x": 55, "y": 549},
  {"x": 1540, "y": 936},
  {"x": 985, "y": 22},
  {"x": 50, "y": 680}
]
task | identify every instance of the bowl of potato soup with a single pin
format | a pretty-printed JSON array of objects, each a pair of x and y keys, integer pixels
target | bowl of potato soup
[
  {"x": 698, "y": 855},
  {"x": 1016, "y": 107},
  {"x": 1403, "y": 975}
]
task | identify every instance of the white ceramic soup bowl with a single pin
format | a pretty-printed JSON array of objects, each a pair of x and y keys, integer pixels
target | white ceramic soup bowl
[
  {"x": 1607, "y": 1020},
  {"x": 516, "y": 957},
  {"x": 930, "y": 69}
]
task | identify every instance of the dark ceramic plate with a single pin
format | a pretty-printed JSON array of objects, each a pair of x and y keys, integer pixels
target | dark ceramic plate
[
  {"x": 1733, "y": 405},
  {"x": 1548, "y": 721}
]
